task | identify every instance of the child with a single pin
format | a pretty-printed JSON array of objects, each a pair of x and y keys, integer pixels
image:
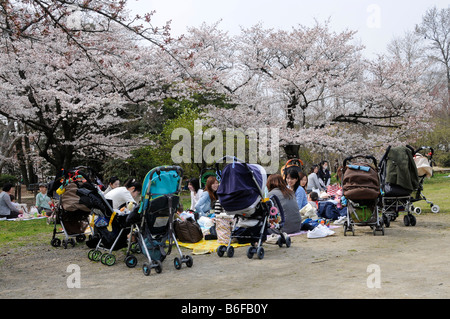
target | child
[{"x": 43, "y": 201}]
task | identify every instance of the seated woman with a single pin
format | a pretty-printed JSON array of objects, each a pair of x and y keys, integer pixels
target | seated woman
[
  {"x": 196, "y": 192},
  {"x": 298, "y": 183},
  {"x": 313, "y": 180},
  {"x": 209, "y": 196},
  {"x": 276, "y": 186},
  {"x": 7, "y": 209}
]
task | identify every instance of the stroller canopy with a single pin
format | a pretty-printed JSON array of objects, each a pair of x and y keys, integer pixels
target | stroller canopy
[
  {"x": 238, "y": 190},
  {"x": 163, "y": 180}
]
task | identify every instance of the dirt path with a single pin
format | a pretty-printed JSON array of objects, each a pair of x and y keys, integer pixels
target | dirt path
[{"x": 412, "y": 262}]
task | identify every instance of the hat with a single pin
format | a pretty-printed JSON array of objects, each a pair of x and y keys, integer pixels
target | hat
[{"x": 42, "y": 185}]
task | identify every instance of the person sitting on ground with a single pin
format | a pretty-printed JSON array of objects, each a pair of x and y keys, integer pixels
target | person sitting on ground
[
  {"x": 324, "y": 174},
  {"x": 313, "y": 180},
  {"x": 297, "y": 184},
  {"x": 276, "y": 186},
  {"x": 124, "y": 196},
  {"x": 196, "y": 192},
  {"x": 209, "y": 197},
  {"x": 43, "y": 201},
  {"x": 113, "y": 182},
  {"x": 7, "y": 208}
]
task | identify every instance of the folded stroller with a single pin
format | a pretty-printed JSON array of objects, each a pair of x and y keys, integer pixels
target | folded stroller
[
  {"x": 241, "y": 194},
  {"x": 70, "y": 211},
  {"x": 424, "y": 164},
  {"x": 399, "y": 178},
  {"x": 153, "y": 220},
  {"x": 361, "y": 188}
]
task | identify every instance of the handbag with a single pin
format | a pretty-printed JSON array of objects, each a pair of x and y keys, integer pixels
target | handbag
[{"x": 188, "y": 231}]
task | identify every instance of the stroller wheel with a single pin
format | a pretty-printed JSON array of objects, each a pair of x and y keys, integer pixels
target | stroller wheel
[
  {"x": 131, "y": 261},
  {"x": 221, "y": 250},
  {"x": 55, "y": 242},
  {"x": 109, "y": 259},
  {"x": 251, "y": 251},
  {"x": 80, "y": 238},
  {"x": 158, "y": 266},
  {"x": 288, "y": 241},
  {"x": 177, "y": 263},
  {"x": 412, "y": 220},
  {"x": 96, "y": 255},
  {"x": 386, "y": 221},
  {"x": 189, "y": 261},
  {"x": 90, "y": 254},
  {"x": 230, "y": 251},
  {"x": 406, "y": 220},
  {"x": 64, "y": 243},
  {"x": 435, "y": 209},
  {"x": 146, "y": 269},
  {"x": 260, "y": 252}
]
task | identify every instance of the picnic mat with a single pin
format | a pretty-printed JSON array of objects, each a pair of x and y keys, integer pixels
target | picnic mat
[{"x": 206, "y": 246}]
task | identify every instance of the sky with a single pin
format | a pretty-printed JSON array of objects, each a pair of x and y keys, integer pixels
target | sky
[{"x": 377, "y": 22}]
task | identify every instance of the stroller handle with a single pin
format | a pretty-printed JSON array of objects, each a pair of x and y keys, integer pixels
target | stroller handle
[
  {"x": 425, "y": 148},
  {"x": 369, "y": 157},
  {"x": 294, "y": 160}
]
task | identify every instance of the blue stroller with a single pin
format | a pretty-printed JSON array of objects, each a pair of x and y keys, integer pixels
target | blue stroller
[
  {"x": 241, "y": 194},
  {"x": 153, "y": 220}
]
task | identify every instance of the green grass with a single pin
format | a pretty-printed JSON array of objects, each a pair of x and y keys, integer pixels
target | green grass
[{"x": 20, "y": 233}]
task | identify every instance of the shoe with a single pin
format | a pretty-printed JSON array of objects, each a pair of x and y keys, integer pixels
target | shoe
[
  {"x": 326, "y": 230},
  {"x": 272, "y": 239},
  {"x": 320, "y": 231},
  {"x": 340, "y": 221}
]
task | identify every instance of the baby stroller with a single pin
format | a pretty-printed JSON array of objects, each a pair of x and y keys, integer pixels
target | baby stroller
[
  {"x": 110, "y": 229},
  {"x": 153, "y": 221},
  {"x": 399, "y": 178},
  {"x": 241, "y": 193},
  {"x": 70, "y": 211},
  {"x": 424, "y": 164},
  {"x": 294, "y": 163},
  {"x": 361, "y": 188}
]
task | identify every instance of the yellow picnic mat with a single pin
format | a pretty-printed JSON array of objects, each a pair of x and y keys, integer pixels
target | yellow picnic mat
[{"x": 206, "y": 246}]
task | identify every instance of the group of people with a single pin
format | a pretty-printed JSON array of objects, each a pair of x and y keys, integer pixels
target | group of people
[
  {"x": 294, "y": 191},
  {"x": 120, "y": 196}
]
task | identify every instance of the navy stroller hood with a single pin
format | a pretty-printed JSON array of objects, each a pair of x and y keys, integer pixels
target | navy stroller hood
[{"x": 237, "y": 190}]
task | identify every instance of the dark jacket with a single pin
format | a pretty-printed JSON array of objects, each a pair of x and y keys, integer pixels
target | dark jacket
[{"x": 401, "y": 169}]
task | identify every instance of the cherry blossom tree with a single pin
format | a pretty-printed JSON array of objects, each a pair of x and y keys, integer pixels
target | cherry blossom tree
[
  {"x": 72, "y": 83},
  {"x": 311, "y": 83}
]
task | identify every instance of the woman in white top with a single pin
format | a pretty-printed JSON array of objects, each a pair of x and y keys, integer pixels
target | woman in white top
[
  {"x": 196, "y": 191},
  {"x": 122, "y": 196}
]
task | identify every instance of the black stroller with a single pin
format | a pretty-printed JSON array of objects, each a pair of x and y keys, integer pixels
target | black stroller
[
  {"x": 399, "y": 178},
  {"x": 241, "y": 194}
]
